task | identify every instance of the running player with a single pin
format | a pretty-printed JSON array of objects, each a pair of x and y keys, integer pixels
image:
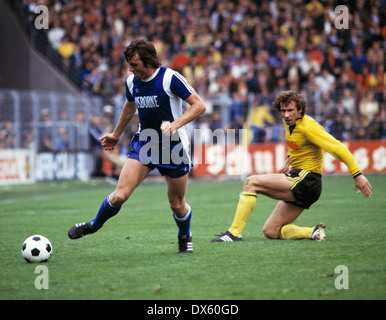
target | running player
[
  {"x": 161, "y": 142},
  {"x": 301, "y": 186}
]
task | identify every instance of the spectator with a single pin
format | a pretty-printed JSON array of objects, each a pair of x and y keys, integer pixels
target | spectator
[
  {"x": 345, "y": 81},
  {"x": 66, "y": 48},
  {"x": 193, "y": 71},
  {"x": 368, "y": 108},
  {"x": 348, "y": 101},
  {"x": 366, "y": 80},
  {"x": 81, "y": 134},
  {"x": 95, "y": 133},
  {"x": 324, "y": 81},
  {"x": 335, "y": 125},
  {"x": 380, "y": 78},
  {"x": 358, "y": 60},
  {"x": 7, "y": 135},
  {"x": 45, "y": 131},
  {"x": 224, "y": 45},
  {"x": 307, "y": 65},
  {"x": 56, "y": 33},
  {"x": 258, "y": 118},
  {"x": 180, "y": 60},
  {"x": 62, "y": 143}
]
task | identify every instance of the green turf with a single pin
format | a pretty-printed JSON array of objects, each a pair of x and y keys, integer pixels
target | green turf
[{"x": 134, "y": 256}]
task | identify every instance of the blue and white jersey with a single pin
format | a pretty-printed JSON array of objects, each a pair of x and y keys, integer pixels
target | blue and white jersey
[{"x": 159, "y": 98}]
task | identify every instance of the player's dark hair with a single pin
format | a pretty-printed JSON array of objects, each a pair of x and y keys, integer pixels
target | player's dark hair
[
  {"x": 146, "y": 52},
  {"x": 284, "y": 98}
]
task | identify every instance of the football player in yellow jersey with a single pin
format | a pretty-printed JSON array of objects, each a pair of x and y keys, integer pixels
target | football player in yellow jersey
[{"x": 299, "y": 188}]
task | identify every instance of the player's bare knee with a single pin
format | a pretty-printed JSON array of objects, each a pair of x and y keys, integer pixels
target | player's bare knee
[
  {"x": 118, "y": 198},
  {"x": 271, "y": 233},
  {"x": 251, "y": 183},
  {"x": 178, "y": 208}
]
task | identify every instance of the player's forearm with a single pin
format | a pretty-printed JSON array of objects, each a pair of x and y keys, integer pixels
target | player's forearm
[
  {"x": 343, "y": 154},
  {"x": 127, "y": 114},
  {"x": 191, "y": 114},
  {"x": 197, "y": 107}
]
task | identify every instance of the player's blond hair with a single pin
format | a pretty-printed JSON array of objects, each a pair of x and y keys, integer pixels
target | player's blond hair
[{"x": 284, "y": 98}]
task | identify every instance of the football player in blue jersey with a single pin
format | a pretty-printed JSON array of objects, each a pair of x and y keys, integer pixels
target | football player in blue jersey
[{"x": 162, "y": 142}]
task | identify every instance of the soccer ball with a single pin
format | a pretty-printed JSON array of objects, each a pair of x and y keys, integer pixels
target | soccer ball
[{"x": 36, "y": 249}]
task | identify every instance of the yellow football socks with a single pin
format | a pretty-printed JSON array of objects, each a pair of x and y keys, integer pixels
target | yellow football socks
[
  {"x": 290, "y": 231},
  {"x": 244, "y": 208}
]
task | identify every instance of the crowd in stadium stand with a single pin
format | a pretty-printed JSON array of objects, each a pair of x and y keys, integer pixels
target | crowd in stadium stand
[{"x": 242, "y": 49}]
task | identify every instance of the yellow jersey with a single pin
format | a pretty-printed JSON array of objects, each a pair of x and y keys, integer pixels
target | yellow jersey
[{"x": 306, "y": 142}]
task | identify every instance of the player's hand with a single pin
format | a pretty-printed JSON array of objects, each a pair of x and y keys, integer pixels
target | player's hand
[
  {"x": 168, "y": 128},
  {"x": 109, "y": 141},
  {"x": 363, "y": 185}
]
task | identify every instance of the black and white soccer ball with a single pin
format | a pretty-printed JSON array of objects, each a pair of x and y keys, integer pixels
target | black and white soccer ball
[{"x": 36, "y": 249}]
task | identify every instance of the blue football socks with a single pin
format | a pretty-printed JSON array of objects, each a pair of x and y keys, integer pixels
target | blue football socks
[
  {"x": 106, "y": 211},
  {"x": 183, "y": 223}
]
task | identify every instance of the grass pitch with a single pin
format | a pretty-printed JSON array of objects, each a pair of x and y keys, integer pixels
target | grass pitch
[{"x": 134, "y": 256}]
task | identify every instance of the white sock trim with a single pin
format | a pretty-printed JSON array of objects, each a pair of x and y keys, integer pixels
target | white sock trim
[
  {"x": 186, "y": 216},
  {"x": 108, "y": 200}
]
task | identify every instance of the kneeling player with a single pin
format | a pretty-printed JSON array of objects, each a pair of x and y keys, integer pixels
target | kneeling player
[{"x": 301, "y": 187}]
